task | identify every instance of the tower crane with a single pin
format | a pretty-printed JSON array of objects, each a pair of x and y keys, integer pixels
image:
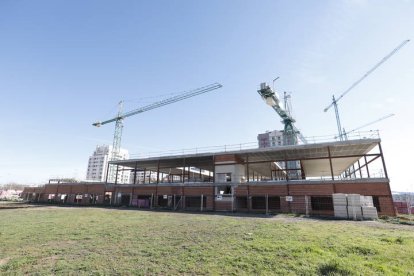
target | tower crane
[
  {"x": 121, "y": 115},
  {"x": 341, "y": 132},
  {"x": 290, "y": 132},
  {"x": 367, "y": 124}
]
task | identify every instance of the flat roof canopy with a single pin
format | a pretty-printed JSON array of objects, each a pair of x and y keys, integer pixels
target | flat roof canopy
[{"x": 314, "y": 157}]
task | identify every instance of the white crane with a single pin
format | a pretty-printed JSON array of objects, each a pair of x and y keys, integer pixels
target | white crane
[
  {"x": 341, "y": 132},
  {"x": 367, "y": 124}
]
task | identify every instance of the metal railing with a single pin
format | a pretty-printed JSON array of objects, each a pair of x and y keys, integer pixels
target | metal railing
[
  {"x": 198, "y": 150},
  {"x": 252, "y": 145}
]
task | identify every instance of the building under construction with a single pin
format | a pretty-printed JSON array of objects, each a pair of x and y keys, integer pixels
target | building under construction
[
  {"x": 242, "y": 180},
  {"x": 295, "y": 176}
]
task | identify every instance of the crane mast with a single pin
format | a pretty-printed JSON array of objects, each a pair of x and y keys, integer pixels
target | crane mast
[
  {"x": 334, "y": 103},
  {"x": 119, "y": 125}
]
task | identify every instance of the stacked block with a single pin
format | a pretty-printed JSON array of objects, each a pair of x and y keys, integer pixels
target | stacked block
[
  {"x": 340, "y": 205},
  {"x": 354, "y": 206}
]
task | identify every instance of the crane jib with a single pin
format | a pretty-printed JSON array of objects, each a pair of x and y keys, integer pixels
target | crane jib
[
  {"x": 334, "y": 102},
  {"x": 384, "y": 59},
  {"x": 174, "y": 99}
]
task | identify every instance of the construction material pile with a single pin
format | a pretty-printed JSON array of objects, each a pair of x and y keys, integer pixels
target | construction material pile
[{"x": 354, "y": 206}]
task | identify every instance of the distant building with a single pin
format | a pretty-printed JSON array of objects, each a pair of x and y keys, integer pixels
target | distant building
[
  {"x": 98, "y": 164},
  {"x": 404, "y": 202},
  {"x": 270, "y": 139}
]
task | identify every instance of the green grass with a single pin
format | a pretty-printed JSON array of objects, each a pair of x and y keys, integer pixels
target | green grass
[{"x": 94, "y": 241}]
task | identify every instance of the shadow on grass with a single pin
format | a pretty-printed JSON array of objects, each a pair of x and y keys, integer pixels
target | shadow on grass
[{"x": 333, "y": 268}]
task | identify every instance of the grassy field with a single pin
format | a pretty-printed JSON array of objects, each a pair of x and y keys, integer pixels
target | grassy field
[{"x": 95, "y": 241}]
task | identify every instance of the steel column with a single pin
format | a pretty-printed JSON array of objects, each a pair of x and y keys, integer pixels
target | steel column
[
  {"x": 286, "y": 168},
  {"x": 158, "y": 172},
  {"x": 247, "y": 168},
  {"x": 383, "y": 160},
  {"x": 330, "y": 162},
  {"x": 116, "y": 175},
  {"x": 214, "y": 169},
  {"x": 366, "y": 165},
  {"x": 107, "y": 172},
  {"x": 183, "y": 171},
  {"x": 135, "y": 172}
]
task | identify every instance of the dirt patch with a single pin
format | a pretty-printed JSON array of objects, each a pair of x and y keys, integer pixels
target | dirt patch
[
  {"x": 4, "y": 261},
  {"x": 45, "y": 262},
  {"x": 14, "y": 205},
  {"x": 59, "y": 244}
]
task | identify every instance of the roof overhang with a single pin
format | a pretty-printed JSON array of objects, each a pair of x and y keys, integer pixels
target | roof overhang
[{"x": 315, "y": 158}]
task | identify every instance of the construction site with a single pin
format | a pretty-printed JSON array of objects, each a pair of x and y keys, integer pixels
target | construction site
[{"x": 345, "y": 177}]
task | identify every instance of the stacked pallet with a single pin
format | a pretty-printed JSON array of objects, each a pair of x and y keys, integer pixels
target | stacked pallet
[
  {"x": 367, "y": 201},
  {"x": 354, "y": 206},
  {"x": 369, "y": 212},
  {"x": 368, "y": 209},
  {"x": 340, "y": 205}
]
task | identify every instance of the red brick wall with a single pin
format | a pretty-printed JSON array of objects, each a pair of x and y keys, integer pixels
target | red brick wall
[
  {"x": 51, "y": 189},
  {"x": 172, "y": 190},
  {"x": 223, "y": 205},
  {"x": 64, "y": 189},
  {"x": 210, "y": 202},
  {"x": 123, "y": 190},
  {"x": 298, "y": 191},
  {"x": 279, "y": 190},
  {"x": 241, "y": 190},
  {"x": 196, "y": 191},
  {"x": 378, "y": 189},
  {"x": 387, "y": 206},
  {"x": 38, "y": 190},
  {"x": 95, "y": 188},
  {"x": 144, "y": 190},
  {"x": 311, "y": 189},
  {"x": 298, "y": 205},
  {"x": 78, "y": 189}
]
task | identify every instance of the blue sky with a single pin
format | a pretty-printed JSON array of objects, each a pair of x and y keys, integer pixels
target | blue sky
[{"x": 66, "y": 64}]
